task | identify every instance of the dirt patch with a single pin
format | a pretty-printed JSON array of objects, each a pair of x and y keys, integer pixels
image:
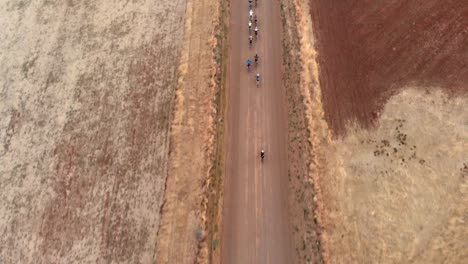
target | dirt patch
[
  {"x": 86, "y": 95},
  {"x": 399, "y": 192},
  {"x": 183, "y": 230},
  {"x": 369, "y": 49}
]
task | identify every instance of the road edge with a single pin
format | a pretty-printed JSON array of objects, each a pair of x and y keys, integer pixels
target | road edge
[
  {"x": 184, "y": 227},
  {"x": 216, "y": 193},
  {"x": 306, "y": 197}
]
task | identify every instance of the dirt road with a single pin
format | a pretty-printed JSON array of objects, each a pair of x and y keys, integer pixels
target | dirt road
[{"x": 256, "y": 227}]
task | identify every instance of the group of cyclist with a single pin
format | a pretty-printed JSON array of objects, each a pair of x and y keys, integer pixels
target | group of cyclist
[{"x": 253, "y": 21}]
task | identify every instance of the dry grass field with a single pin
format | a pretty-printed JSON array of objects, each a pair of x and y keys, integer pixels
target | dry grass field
[
  {"x": 86, "y": 91},
  {"x": 398, "y": 193}
]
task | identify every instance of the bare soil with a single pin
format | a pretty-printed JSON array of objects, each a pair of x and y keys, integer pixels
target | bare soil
[
  {"x": 368, "y": 49},
  {"x": 85, "y": 102}
]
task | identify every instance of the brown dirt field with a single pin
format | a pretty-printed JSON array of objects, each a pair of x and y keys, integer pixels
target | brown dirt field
[
  {"x": 397, "y": 191},
  {"x": 85, "y": 102},
  {"x": 369, "y": 49}
]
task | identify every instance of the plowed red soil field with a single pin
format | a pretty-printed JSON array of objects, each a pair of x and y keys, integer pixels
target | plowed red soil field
[{"x": 369, "y": 49}]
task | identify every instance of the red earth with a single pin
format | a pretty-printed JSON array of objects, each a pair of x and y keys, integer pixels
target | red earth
[{"x": 369, "y": 49}]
